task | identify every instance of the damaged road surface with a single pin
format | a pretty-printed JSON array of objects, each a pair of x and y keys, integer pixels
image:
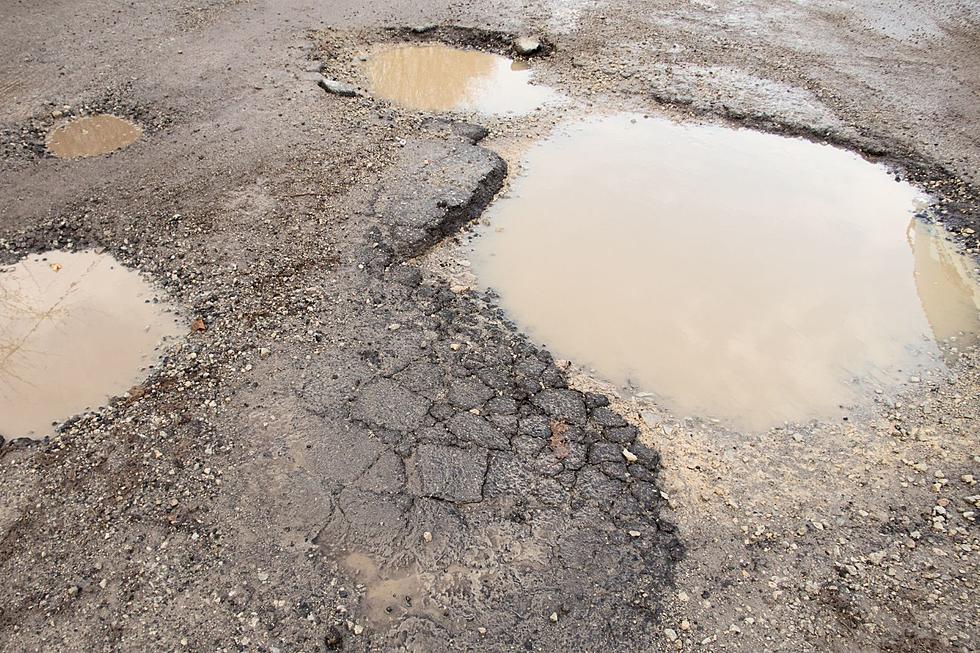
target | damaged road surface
[
  {"x": 442, "y": 463},
  {"x": 411, "y": 430},
  {"x": 348, "y": 448}
]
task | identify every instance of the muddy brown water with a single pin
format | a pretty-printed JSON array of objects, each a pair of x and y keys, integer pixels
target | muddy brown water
[
  {"x": 92, "y": 136},
  {"x": 388, "y": 595},
  {"x": 732, "y": 274},
  {"x": 439, "y": 78},
  {"x": 76, "y": 328}
]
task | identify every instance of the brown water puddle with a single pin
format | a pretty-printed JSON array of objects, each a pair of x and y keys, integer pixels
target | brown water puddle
[
  {"x": 439, "y": 78},
  {"x": 387, "y": 596},
  {"x": 76, "y": 328},
  {"x": 731, "y": 273},
  {"x": 92, "y": 136}
]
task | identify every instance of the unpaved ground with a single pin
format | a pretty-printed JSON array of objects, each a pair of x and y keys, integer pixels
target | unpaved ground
[{"x": 359, "y": 452}]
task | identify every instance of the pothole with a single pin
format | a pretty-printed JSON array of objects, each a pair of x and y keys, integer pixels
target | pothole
[
  {"x": 76, "y": 328},
  {"x": 438, "y": 78},
  {"x": 730, "y": 273},
  {"x": 91, "y": 136}
]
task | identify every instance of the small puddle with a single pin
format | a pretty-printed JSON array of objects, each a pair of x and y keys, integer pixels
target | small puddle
[
  {"x": 76, "y": 328},
  {"x": 386, "y": 597},
  {"x": 731, "y": 273},
  {"x": 439, "y": 78},
  {"x": 92, "y": 136}
]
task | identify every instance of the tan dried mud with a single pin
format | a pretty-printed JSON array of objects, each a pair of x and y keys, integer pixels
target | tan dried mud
[
  {"x": 732, "y": 274},
  {"x": 439, "y": 78},
  {"x": 76, "y": 328},
  {"x": 92, "y": 136}
]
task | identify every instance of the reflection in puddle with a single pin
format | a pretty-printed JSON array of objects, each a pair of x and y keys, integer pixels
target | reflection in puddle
[
  {"x": 946, "y": 284},
  {"x": 734, "y": 274},
  {"x": 91, "y": 136},
  {"x": 439, "y": 78},
  {"x": 75, "y": 329}
]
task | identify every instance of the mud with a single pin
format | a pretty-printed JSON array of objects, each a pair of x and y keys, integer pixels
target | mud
[
  {"x": 437, "y": 78},
  {"x": 77, "y": 328},
  {"x": 733, "y": 274},
  {"x": 387, "y": 596},
  {"x": 91, "y": 136}
]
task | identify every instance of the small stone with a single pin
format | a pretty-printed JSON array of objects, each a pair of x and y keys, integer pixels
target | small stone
[
  {"x": 263, "y": 576},
  {"x": 629, "y": 455},
  {"x": 527, "y": 45},
  {"x": 358, "y": 629},
  {"x": 337, "y": 88},
  {"x": 264, "y": 352},
  {"x": 394, "y": 326},
  {"x": 554, "y": 617},
  {"x": 670, "y": 634},
  {"x": 481, "y": 630},
  {"x": 635, "y": 533},
  {"x": 427, "y": 536},
  {"x": 685, "y": 625}
]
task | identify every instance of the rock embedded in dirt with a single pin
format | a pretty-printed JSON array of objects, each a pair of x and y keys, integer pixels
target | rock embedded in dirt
[
  {"x": 337, "y": 88},
  {"x": 527, "y": 45}
]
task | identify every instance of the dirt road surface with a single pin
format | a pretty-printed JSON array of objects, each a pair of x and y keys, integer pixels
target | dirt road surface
[{"x": 359, "y": 453}]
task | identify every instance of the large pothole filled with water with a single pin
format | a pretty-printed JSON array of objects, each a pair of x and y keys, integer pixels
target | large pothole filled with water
[
  {"x": 732, "y": 274},
  {"x": 92, "y": 136},
  {"x": 76, "y": 328},
  {"x": 438, "y": 78}
]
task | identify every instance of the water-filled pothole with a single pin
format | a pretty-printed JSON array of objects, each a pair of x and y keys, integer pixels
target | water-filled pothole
[
  {"x": 440, "y": 78},
  {"x": 92, "y": 136},
  {"x": 75, "y": 329},
  {"x": 731, "y": 273}
]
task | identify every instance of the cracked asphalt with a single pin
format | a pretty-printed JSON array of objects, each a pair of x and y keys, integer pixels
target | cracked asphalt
[{"x": 361, "y": 453}]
